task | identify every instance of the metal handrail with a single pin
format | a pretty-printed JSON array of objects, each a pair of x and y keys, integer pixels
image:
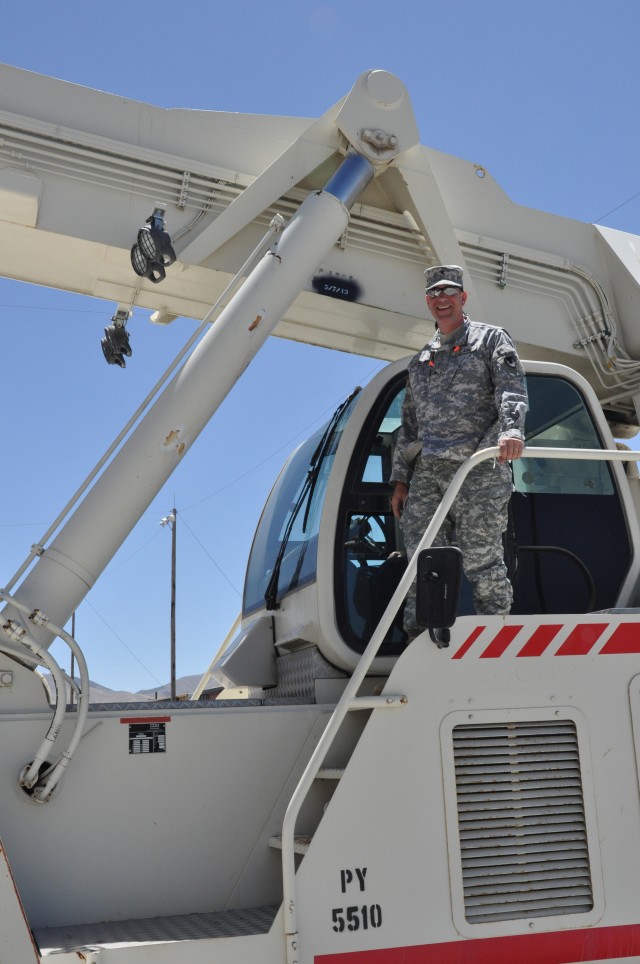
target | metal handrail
[
  {"x": 226, "y": 642},
  {"x": 345, "y": 703}
]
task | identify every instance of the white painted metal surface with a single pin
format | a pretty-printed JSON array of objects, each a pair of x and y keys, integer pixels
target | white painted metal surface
[
  {"x": 495, "y": 816},
  {"x": 91, "y": 153},
  {"x": 87, "y": 542},
  {"x": 16, "y": 943},
  {"x": 347, "y": 701},
  {"x": 393, "y": 782}
]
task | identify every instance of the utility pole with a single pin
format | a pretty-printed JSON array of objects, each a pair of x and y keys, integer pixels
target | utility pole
[{"x": 170, "y": 520}]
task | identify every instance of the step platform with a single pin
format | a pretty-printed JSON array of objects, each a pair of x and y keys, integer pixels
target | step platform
[{"x": 83, "y": 938}]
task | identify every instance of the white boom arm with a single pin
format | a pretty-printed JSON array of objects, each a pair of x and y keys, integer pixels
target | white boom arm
[
  {"x": 84, "y": 546},
  {"x": 80, "y": 171}
]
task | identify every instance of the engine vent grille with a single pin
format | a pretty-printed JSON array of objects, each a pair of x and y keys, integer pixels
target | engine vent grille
[{"x": 523, "y": 837}]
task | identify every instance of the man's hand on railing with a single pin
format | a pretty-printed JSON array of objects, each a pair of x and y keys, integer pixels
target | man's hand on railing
[{"x": 510, "y": 449}]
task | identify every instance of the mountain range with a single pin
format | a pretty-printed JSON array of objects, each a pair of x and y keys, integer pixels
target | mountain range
[{"x": 102, "y": 694}]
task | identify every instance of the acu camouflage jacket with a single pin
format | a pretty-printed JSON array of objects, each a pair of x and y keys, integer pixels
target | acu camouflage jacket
[{"x": 462, "y": 395}]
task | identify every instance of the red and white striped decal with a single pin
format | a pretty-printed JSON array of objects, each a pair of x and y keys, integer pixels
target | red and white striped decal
[
  {"x": 557, "y": 947},
  {"x": 582, "y": 639}
]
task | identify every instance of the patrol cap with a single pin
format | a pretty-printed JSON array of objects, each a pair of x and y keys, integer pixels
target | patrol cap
[{"x": 443, "y": 275}]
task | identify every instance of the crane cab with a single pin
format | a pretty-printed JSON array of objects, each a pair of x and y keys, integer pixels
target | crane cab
[{"x": 328, "y": 553}]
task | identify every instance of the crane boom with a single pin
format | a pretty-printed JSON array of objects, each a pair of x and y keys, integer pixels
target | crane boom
[{"x": 69, "y": 567}]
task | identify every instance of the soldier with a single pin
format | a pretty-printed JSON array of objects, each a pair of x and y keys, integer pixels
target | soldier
[{"x": 465, "y": 391}]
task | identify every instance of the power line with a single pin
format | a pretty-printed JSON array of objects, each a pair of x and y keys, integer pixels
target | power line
[
  {"x": 632, "y": 198},
  {"x": 81, "y": 311},
  {"x": 121, "y": 640},
  {"x": 19, "y": 525},
  {"x": 285, "y": 445},
  {"x": 108, "y": 572},
  {"x": 208, "y": 554}
]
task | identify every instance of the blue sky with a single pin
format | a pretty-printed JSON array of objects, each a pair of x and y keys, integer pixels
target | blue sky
[{"x": 544, "y": 95}]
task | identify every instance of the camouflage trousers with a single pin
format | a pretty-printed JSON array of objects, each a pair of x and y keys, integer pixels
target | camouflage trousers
[{"x": 475, "y": 523}]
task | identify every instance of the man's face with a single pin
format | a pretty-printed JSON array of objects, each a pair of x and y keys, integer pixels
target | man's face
[{"x": 447, "y": 309}]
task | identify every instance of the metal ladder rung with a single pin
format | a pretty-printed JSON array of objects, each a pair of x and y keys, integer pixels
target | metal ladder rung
[
  {"x": 330, "y": 773},
  {"x": 389, "y": 701},
  {"x": 301, "y": 842}
]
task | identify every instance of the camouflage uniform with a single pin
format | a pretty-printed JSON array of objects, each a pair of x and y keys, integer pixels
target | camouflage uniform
[{"x": 464, "y": 392}]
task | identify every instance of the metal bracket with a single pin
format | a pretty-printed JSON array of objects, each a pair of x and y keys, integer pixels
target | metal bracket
[
  {"x": 502, "y": 277},
  {"x": 381, "y": 99},
  {"x": 121, "y": 317},
  {"x": 184, "y": 189},
  {"x": 601, "y": 335}
]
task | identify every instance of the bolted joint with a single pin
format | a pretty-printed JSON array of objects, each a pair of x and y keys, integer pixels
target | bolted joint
[
  {"x": 121, "y": 317},
  {"x": 14, "y": 631},
  {"x": 42, "y": 795},
  {"x": 380, "y": 141},
  {"x": 38, "y": 618}
]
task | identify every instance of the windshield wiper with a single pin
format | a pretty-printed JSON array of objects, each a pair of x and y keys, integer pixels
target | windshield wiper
[{"x": 306, "y": 493}]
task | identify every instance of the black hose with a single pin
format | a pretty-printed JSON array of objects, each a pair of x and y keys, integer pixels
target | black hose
[{"x": 591, "y": 586}]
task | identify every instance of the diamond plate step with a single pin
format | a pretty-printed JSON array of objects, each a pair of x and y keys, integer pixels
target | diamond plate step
[
  {"x": 301, "y": 842},
  {"x": 79, "y": 938}
]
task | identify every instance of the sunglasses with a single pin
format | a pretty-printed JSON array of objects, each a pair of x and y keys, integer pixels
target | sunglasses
[{"x": 437, "y": 292}]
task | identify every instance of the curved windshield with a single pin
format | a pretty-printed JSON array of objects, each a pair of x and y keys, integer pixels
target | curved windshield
[{"x": 284, "y": 552}]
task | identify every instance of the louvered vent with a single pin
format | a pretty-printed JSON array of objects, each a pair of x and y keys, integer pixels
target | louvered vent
[
  {"x": 370, "y": 229},
  {"x": 523, "y": 837},
  {"x": 43, "y": 153}
]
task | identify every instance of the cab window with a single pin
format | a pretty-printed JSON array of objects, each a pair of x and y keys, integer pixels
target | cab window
[
  {"x": 369, "y": 553},
  {"x": 284, "y": 552},
  {"x": 569, "y": 544},
  {"x": 567, "y": 547}
]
